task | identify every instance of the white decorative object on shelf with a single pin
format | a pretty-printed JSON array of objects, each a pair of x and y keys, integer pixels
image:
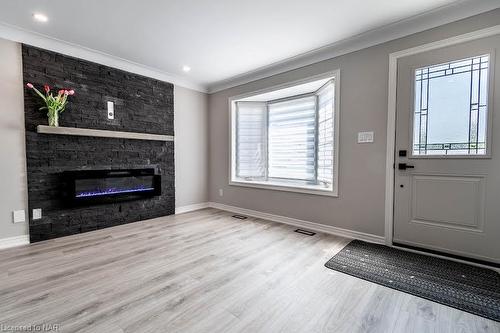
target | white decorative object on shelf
[{"x": 102, "y": 133}]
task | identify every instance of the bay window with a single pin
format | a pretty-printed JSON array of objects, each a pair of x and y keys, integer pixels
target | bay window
[{"x": 285, "y": 139}]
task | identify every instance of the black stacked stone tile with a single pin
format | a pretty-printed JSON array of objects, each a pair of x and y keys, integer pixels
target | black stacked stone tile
[{"x": 142, "y": 104}]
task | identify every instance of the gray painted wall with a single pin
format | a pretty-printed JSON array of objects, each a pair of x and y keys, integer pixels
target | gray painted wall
[
  {"x": 14, "y": 191},
  {"x": 191, "y": 146},
  {"x": 363, "y": 106},
  {"x": 190, "y": 143}
]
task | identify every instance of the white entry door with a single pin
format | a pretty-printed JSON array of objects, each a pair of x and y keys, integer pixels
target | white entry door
[{"x": 447, "y": 177}]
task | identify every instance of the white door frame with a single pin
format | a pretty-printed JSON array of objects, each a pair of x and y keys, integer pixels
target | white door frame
[{"x": 391, "y": 112}]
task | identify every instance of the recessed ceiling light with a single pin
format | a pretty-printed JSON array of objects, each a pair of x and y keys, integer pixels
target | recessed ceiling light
[
  {"x": 186, "y": 68},
  {"x": 40, "y": 17}
]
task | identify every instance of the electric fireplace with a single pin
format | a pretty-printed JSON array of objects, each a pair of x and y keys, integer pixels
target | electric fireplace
[{"x": 105, "y": 186}]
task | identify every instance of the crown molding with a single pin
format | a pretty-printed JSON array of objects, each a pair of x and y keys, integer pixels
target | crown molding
[
  {"x": 20, "y": 35},
  {"x": 418, "y": 23}
]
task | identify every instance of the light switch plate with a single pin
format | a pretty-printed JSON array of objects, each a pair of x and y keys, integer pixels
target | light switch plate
[
  {"x": 365, "y": 137},
  {"x": 19, "y": 216},
  {"x": 37, "y": 214},
  {"x": 111, "y": 110}
]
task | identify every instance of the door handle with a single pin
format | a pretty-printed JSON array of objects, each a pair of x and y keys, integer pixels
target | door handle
[{"x": 404, "y": 166}]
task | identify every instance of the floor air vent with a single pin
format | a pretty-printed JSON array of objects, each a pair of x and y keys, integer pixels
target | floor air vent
[
  {"x": 239, "y": 217},
  {"x": 305, "y": 232}
]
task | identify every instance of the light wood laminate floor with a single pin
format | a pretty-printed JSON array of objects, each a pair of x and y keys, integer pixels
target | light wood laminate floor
[{"x": 206, "y": 272}]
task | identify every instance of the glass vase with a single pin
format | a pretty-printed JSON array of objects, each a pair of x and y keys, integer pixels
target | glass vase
[{"x": 53, "y": 118}]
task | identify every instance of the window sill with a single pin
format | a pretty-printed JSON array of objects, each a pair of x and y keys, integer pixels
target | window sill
[{"x": 286, "y": 188}]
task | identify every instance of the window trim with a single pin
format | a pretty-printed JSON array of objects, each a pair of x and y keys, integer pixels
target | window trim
[{"x": 269, "y": 185}]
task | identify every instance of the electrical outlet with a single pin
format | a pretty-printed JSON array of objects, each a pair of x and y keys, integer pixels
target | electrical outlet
[
  {"x": 18, "y": 216},
  {"x": 221, "y": 192},
  {"x": 111, "y": 110},
  {"x": 37, "y": 214}
]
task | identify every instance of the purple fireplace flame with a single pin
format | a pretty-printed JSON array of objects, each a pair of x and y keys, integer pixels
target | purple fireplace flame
[
  {"x": 111, "y": 191},
  {"x": 106, "y": 186}
]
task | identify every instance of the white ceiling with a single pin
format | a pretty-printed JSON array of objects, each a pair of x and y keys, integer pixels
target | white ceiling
[
  {"x": 294, "y": 90},
  {"x": 218, "y": 39}
]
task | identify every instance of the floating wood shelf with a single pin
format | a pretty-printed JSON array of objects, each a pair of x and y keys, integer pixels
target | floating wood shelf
[{"x": 102, "y": 133}]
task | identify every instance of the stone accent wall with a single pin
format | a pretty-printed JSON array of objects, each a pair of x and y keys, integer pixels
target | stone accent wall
[{"x": 141, "y": 105}]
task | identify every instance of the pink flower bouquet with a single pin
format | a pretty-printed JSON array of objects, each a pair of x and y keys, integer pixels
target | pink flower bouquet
[{"x": 53, "y": 104}]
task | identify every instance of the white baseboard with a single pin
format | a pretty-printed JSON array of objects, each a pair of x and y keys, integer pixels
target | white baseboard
[
  {"x": 190, "y": 208},
  {"x": 14, "y": 241},
  {"x": 301, "y": 223}
]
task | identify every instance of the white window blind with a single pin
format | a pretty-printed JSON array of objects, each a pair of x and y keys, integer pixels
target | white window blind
[
  {"x": 286, "y": 141},
  {"x": 251, "y": 128},
  {"x": 325, "y": 135},
  {"x": 292, "y": 148}
]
